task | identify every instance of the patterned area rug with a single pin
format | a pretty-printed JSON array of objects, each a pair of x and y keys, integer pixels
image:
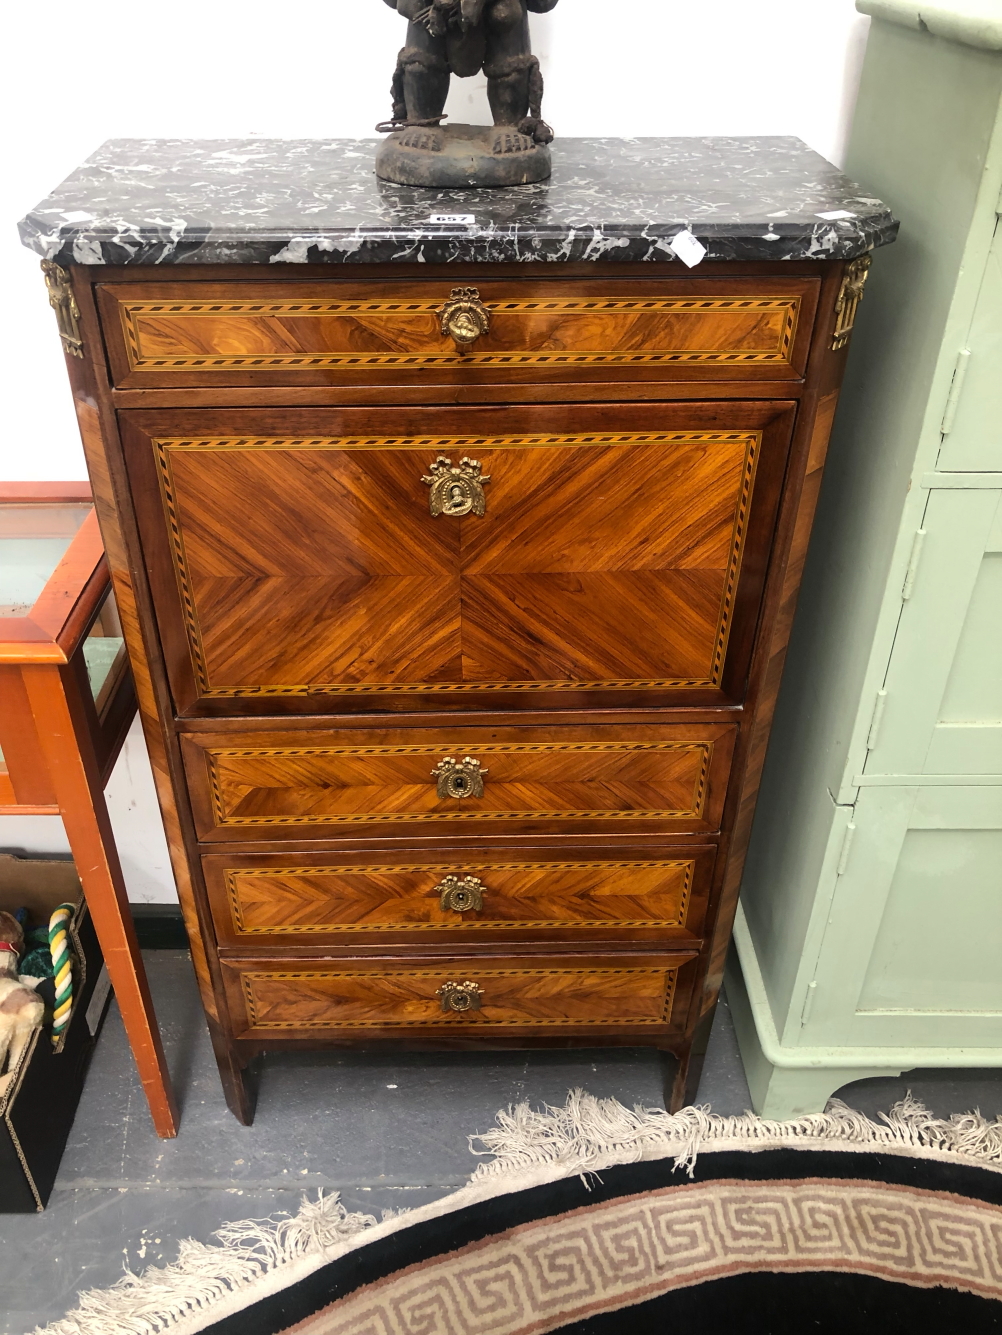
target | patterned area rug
[{"x": 596, "y": 1220}]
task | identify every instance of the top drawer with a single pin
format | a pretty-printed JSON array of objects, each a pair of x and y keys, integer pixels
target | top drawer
[{"x": 386, "y": 331}]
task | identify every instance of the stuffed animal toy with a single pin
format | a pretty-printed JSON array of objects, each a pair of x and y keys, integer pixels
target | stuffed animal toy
[
  {"x": 11, "y": 945},
  {"x": 21, "y": 1010},
  {"x": 21, "y": 1013}
]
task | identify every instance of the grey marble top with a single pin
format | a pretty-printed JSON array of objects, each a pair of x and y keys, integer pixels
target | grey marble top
[{"x": 266, "y": 201}]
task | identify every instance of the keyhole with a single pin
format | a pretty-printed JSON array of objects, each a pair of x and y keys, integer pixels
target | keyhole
[{"x": 459, "y": 783}]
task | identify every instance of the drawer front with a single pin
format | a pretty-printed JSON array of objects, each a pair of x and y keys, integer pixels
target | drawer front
[
  {"x": 461, "y": 998},
  {"x": 337, "y": 332},
  {"x": 320, "y": 562},
  {"x": 297, "y": 785},
  {"x": 300, "y": 900}
]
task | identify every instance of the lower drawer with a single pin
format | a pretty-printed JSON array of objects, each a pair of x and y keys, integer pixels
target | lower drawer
[
  {"x": 299, "y": 900},
  {"x": 461, "y": 998}
]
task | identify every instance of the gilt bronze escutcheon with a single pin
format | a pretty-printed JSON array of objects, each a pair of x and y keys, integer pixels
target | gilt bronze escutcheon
[
  {"x": 465, "y": 317},
  {"x": 462, "y": 895},
  {"x": 459, "y": 778},
  {"x": 460, "y": 996},
  {"x": 456, "y": 490}
]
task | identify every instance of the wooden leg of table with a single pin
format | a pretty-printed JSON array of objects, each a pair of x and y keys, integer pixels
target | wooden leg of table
[{"x": 76, "y": 780}]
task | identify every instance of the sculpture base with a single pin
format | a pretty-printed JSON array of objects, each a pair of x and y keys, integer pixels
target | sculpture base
[{"x": 460, "y": 156}]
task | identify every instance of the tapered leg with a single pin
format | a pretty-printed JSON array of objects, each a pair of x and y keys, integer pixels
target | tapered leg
[
  {"x": 76, "y": 779},
  {"x": 238, "y": 1079},
  {"x": 684, "y": 1066}
]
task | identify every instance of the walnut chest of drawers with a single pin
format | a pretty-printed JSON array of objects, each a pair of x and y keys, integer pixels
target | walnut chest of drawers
[{"x": 457, "y": 594}]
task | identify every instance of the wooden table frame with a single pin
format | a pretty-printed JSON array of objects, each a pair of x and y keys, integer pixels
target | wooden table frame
[{"x": 59, "y": 753}]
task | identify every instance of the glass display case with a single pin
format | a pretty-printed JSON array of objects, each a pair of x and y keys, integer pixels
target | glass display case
[
  {"x": 34, "y": 541},
  {"x": 66, "y": 703},
  {"x": 54, "y": 587}
]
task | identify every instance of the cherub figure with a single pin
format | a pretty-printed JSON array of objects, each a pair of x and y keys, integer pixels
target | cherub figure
[{"x": 463, "y": 37}]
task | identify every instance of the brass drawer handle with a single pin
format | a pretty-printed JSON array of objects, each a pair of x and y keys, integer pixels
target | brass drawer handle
[
  {"x": 462, "y": 896},
  {"x": 456, "y": 490},
  {"x": 459, "y": 778},
  {"x": 460, "y": 996},
  {"x": 464, "y": 317}
]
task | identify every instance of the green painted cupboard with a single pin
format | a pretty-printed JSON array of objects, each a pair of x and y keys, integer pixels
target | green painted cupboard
[{"x": 869, "y": 936}]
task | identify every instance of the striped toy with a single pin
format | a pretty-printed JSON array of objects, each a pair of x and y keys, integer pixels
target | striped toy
[{"x": 62, "y": 968}]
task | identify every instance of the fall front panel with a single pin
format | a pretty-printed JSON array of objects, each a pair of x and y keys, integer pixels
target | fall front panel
[{"x": 330, "y": 556}]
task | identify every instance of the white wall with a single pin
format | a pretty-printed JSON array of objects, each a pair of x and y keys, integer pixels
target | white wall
[{"x": 77, "y": 76}]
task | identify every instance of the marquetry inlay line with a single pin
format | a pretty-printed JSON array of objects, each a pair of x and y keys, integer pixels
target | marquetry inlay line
[
  {"x": 788, "y": 308},
  {"x": 474, "y": 1017},
  {"x": 694, "y": 810},
  {"x": 738, "y": 534},
  {"x": 486, "y": 748},
  {"x": 484, "y": 442},
  {"x": 166, "y": 447},
  {"x": 588, "y": 305},
  {"x": 377, "y": 688},
  {"x": 196, "y": 649},
  {"x": 234, "y": 876}
]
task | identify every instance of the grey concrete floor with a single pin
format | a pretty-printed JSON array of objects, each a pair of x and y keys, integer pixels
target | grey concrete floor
[{"x": 386, "y": 1130}]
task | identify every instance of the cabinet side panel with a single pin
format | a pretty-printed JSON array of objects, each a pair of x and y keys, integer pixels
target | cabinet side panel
[
  {"x": 785, "y": 852},
  {"x": 100, "y": 440},
  {"x": 800, "y": 495}
]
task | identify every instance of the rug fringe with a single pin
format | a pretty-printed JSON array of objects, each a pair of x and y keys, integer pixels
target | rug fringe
[
  {"x": 203, "y": 1275},
  {"x": 585, "y": 1136},
  {"x": 588, "y": 1133}
]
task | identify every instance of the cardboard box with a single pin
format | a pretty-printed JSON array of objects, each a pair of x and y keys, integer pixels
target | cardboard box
[{"x": 39, "y": 1104}]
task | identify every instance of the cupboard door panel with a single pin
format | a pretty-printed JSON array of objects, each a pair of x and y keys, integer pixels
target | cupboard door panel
[
  {"x": 974, "y": 440},
  {"x": 309, "y": 561},
  {"x": 914, "y": 932},
  {"x": 942, "y": 711}
]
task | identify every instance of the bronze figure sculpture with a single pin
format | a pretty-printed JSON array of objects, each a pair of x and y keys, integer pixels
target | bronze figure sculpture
[{"x": 463, "y": 37}]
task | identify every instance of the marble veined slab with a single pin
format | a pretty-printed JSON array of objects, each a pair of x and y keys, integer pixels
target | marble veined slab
[{"x": 310, "y": 201}]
